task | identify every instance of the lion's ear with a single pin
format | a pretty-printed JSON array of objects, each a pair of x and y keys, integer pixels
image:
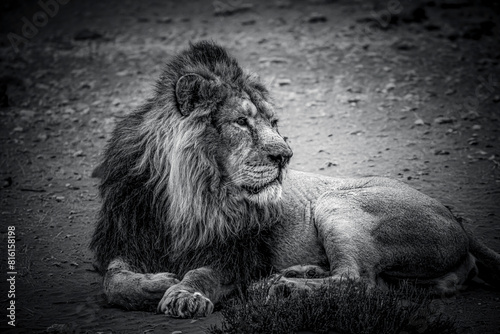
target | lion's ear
[{"x": 188, "y": 92}]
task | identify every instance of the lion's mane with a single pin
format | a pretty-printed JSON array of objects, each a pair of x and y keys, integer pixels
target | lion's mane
[{"x": 163, "y": 207}]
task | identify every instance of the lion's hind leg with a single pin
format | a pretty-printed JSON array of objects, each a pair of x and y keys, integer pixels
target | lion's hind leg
[
  {"x": 445, "y": 285},
  {"x": 344, "y": 230},
  {"x": 135, "y": 291}
]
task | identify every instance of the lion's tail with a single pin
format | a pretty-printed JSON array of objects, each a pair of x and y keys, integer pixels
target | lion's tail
[{"x": 488, "y": 261}]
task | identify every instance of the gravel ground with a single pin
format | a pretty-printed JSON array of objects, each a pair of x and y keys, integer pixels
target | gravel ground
[{"x": 408, "y": 90}]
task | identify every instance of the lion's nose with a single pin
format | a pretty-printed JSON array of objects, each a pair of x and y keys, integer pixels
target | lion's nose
[{"x": 281, "y": 157}]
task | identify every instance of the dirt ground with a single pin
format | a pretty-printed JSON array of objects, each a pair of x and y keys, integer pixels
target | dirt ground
[{"x": 408, "y": 90}]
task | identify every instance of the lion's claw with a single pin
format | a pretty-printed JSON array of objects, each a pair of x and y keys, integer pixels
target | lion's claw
[{"x": 181, "y": 303}]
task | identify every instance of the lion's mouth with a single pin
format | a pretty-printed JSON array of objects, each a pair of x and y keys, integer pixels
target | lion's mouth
[{"x": 256, "y": 189}]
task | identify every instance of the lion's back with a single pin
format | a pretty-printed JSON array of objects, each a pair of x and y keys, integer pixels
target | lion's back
[{"x": 308, "y": 187}]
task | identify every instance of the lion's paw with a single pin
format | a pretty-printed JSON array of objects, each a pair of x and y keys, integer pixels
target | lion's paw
[
  {"x": 305, "y": 271},
  {"x": 284, "y": 287},
  {"x": 178, "y": 302}
]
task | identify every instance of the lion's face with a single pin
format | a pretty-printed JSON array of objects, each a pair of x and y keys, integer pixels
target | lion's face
[
  {"x": 241, "y": 132},
  {"x": 252, "y": 153}
]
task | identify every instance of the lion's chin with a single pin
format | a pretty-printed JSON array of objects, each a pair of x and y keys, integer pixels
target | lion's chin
[{"x": 268, "y": 195}]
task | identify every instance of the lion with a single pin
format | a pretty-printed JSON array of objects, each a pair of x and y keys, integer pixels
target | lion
[{"x": 198, "y": 202}]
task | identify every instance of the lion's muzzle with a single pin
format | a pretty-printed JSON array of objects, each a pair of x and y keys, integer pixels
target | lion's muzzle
[
  {"x": 281, "y": 157},
  {"x": 278, "y": 152}
]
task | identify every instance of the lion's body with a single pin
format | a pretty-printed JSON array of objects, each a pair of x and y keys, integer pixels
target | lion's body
[
  {"x": 375, "y": 229},
  {"x": 193, "y": 187}
]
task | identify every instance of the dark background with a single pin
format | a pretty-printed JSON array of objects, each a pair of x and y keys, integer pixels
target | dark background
[{"x": 408, "y": 89}]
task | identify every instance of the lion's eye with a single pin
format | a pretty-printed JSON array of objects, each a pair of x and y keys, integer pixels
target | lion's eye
[
  {"x": 311, "y": 273},
  {"x": 242, "y": 121}
]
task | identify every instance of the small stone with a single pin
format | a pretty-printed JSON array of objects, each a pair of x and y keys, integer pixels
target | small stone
[
  {"x": 419, "y": 122},
  {"x": 273, "y": 60},
  {"x": 472, "y": 141},
  {"x": 450, "y": 91},
  {"x": 355, "y": 90},
  {"x": 123, "y": 73},
  {"x": 248, "y": 22},
  {"x": 164, "y": 20},
  {"x": 222, "y": 8},
  {"x": 42, "y": 137},
  {"x": 87, "y": 85},
  {"x": 441, "y": 152},
  {"x": 476, "y": 127},
  {"x": 443, "y": 120},
  {"x": 25, "y": 113},
  {"x": 390, "y": 86},
  {"x": 284, "y": 82},
  {"x": 78, "y": 153},
  {"x": 60, "y": 198},
  {"x": 356, "y": 132},
  {"x": 317, "y": 18},
  {"x": 404, "y": 45},
  {"x": 496, "y": 98},
  {"x": 7, "y": 182}
]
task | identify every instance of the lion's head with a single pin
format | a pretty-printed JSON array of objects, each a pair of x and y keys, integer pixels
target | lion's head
[
  {"x": 240, "y": 127},
  {"x": 202, "y": 162}
]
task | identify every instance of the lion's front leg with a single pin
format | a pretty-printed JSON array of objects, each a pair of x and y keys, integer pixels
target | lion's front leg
[
  {"x": 195, "y": 295},
  {"x": 135, "y": 291}
]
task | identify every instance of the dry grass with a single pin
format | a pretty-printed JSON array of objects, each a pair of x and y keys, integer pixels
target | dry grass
[{"x": 342, "y": 308}]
